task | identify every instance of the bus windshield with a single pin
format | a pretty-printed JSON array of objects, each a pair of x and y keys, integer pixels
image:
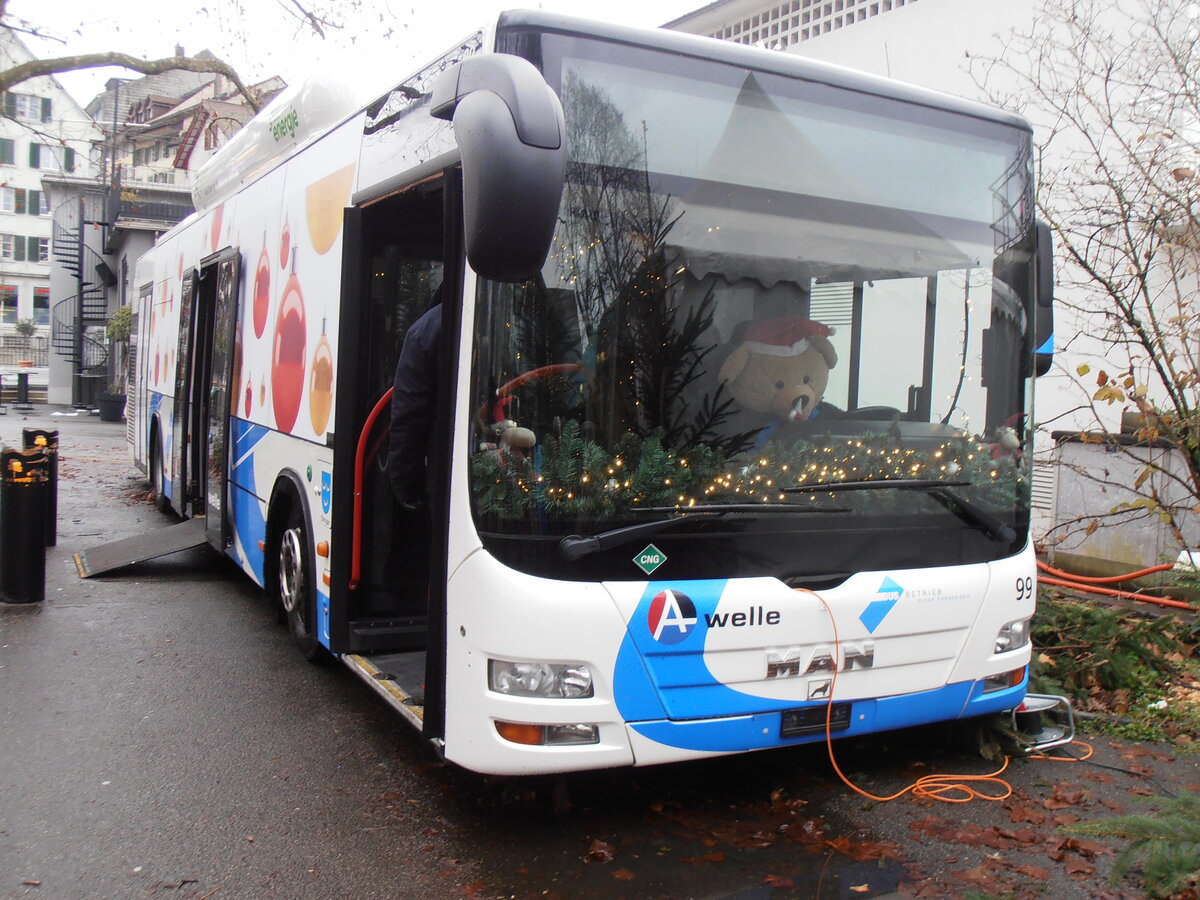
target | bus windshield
[{"x": 801, "y": 310}]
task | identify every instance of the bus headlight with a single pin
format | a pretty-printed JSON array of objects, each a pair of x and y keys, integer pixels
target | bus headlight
[
  {"x": 1013, "y": 636},
  {"x": 566, "y": 681}
]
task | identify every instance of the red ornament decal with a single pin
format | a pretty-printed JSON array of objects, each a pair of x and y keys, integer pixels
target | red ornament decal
[
  {"x": 262, "y": 293},
  {"x": 288, "y": 356},
  {"x": 285, "y": 246}
]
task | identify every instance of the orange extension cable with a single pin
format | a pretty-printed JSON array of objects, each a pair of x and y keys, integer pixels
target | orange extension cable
[
  {"x": 945, "y": 788},
  {"x": 1090, "y": 584}
]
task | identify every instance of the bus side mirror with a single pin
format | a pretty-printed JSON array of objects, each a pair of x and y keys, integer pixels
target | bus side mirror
[
  {"x": 1043, "y": 317},
  {"x": 510, "y": 132}
]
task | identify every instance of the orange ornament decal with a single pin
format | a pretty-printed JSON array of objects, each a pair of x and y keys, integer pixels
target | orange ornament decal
[
  {"x": 324, "y": 207},
  {"x": 320, "y": 384}
]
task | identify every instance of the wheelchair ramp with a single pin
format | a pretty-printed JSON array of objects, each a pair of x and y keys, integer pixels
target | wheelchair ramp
[{"x": 153, "y": 544}]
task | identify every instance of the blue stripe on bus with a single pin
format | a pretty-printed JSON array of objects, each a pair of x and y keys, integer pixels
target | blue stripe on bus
[
  {"x": 668, "y": 677},
  {"x": 760, "y": 731},
  {"x": 1047, "y": 345},
  {"x": 249, "y": 525}
]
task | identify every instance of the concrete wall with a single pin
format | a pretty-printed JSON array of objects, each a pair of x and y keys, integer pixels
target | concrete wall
[{"x": 1094, "y": 481}]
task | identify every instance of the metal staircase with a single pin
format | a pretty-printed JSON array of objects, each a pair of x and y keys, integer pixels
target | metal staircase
[{"x": 77, "y": 321}]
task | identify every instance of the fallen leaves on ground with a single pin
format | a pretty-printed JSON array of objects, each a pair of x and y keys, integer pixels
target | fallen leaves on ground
[{"x": 599, "y": 851}]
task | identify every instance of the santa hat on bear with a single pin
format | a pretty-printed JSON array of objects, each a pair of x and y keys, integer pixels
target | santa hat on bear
[{"x": 784, "y": 336}]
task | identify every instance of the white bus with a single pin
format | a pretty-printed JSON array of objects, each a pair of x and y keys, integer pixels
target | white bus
[{"x": 738, "y": 354}]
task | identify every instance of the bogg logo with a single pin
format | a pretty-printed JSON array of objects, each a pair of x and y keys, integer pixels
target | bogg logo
[{"x": 672, "y": 617}]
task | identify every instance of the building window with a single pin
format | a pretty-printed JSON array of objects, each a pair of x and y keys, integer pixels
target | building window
[
  {"x": 12, "y": 247},
  {"x": 53, "y": 159},
  {"x": 8, "y": 304},
  {"x": 8, "y": 152},
  {"x": 27, "y": 106},
  {"x": 19, "y": 200},
  {"x": 821, "y": 16},
  {"x": 41, "y": 306},
  {"x": 38, "y": 249}
]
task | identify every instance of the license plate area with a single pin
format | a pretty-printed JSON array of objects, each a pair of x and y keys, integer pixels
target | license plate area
[{"x": 811, "y": 720}]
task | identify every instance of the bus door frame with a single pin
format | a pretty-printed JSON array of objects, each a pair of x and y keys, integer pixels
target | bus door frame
[
  {"x": 220, "y": 358},
  {"x": 350, "y": 411},
  {"x": 208, "y": 298}
]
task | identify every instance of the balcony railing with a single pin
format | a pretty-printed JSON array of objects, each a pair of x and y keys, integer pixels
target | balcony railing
[
  {"x": 16, "y": 348},
  {"x": 153, "y": 211}
]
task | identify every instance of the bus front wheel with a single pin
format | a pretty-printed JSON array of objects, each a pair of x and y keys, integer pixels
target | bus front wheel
[{"x": 294, "y": 584}]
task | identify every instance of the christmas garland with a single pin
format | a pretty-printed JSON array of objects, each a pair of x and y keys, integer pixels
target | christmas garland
[{"x": 569, "y": 476}]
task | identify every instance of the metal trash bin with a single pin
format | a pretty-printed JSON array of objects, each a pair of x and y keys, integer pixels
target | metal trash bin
[
  {"x": 46, "y": 440},
  {"x": 23, "y": 483}
]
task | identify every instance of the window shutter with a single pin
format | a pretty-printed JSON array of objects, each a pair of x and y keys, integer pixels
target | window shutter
[
  {"x": 19, "y": 247},
  {"x": 34, "y": 208},
  {"x": 47, "y": 115},
  {"x": 10, "y": 105},
  {"x": 7, "y": 151},
  {"x": 69, "y": 159},
  {"x": 34, "y": 156},
  {"x": 19, "y": 200}
]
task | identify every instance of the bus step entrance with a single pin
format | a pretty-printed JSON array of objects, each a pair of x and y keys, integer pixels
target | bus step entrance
[
  {"x": 126, "y": 552},
  {"x": 397, "y": 677},
  {"x": 1043, "y": 721}
]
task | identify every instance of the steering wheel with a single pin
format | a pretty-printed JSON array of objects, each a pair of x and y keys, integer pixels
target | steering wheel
[{"x": 505, "y": 391}]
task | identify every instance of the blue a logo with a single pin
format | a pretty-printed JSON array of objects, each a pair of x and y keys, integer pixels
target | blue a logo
[
  {"x": 872, "y": 617},
  {"x": 326, "y": 492}
]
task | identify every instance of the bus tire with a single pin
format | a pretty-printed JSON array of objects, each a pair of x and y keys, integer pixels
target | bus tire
[
  {"x": 294, "y": 586},
  {"x": 156, "y": 473}
]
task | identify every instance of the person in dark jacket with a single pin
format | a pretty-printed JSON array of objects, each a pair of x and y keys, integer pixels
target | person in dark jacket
[{"x": 414, "y": 407}]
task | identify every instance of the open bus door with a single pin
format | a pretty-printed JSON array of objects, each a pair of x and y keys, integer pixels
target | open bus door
[
  {"x": 207, "y": 320},
  {"x": 220, "y": 279},
  {"x": 206, "y": 351},
  {"x": 496, "y": 209},
  {"x": 389, "y": 569}
]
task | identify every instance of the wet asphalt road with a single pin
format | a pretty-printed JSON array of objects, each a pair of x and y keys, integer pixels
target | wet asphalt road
[{"x": 159, "y": 737}]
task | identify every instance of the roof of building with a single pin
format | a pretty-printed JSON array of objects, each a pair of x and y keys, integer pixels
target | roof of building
[{"x": 124, "y": 93}]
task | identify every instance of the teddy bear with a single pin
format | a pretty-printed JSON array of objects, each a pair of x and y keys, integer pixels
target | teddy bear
[{"x": 781, "y": 368}]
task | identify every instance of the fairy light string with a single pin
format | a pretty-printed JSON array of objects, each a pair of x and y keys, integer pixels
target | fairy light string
[{"x": 573, "y": 476}]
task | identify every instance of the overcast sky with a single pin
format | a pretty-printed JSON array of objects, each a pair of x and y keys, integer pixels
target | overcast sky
[{"x": 259, "y": 38}]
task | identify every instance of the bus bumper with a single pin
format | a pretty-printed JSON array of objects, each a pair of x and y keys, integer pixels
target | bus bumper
[{"x": 664, "y": 740}]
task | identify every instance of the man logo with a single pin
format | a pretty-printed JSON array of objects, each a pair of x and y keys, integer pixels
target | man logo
[{"x": 672, "y": 617}]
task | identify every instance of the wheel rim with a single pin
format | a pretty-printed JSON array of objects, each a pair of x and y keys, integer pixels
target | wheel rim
[{"x": 291, "y": 571}]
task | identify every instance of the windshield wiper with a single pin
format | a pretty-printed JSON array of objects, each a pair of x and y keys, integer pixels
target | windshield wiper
[
  {"x": 577, "y": 546},
  {"x": 941, "y": 491}
]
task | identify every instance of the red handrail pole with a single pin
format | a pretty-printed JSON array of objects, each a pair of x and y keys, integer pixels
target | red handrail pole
[{"x": 360, "y": 455}]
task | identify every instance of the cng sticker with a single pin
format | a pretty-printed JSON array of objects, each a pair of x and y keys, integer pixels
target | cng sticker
[{"x": 649, "y": 559}]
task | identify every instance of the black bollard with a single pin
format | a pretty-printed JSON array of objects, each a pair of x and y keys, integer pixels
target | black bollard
[
  {"x": 22, "y": 526},
  {"x": 47, "y": 442}
]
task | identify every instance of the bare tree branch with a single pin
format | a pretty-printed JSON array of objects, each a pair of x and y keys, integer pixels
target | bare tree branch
[
  {"x": 38, "y": 67},
  {"x": 1115, "y": 92}
]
